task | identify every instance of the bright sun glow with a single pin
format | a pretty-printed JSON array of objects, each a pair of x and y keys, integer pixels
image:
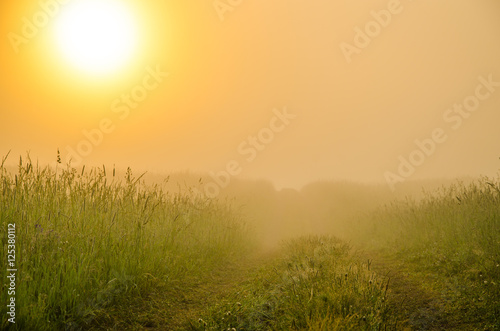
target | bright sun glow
[{"x": 97, "y": 36}]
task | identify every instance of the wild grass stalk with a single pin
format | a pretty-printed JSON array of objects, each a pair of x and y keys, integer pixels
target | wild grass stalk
[
  {"x": 316, "y": 285},
  {"x": 85, "y": 240},
  {"x": 454, "y": 235}
]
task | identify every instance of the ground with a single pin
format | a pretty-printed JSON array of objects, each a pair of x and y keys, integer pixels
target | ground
[{"x": 415, "y": 304}]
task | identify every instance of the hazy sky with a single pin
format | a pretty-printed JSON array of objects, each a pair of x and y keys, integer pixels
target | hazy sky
[{"x": 360, "y": 82}]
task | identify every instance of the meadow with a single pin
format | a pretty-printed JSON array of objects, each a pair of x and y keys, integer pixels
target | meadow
[
  {"x": 316, "y": 284},
  {"x": 87, "y": 241},
  {"x": 450, "y": 240},
  {"x": 100, "y": 249}
]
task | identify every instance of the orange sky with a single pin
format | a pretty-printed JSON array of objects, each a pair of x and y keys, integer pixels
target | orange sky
[{"x": 355, "y": 113}]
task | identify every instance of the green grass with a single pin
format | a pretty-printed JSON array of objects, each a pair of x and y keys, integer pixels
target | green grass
[
  {"x": 94, "y": 251},
  {"x": 316, "y": 284},
  {"x": 88, "y": 242},
  {"x": 451, "y": 241}
]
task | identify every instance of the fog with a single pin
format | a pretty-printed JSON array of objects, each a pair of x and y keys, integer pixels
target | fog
[
  {"x": 290, "y": 92},
  {"x": 321, "y": 207}
]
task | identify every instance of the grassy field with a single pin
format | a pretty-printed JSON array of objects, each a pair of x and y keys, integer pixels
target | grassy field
[
  {"x": 450, "y": 241},
  {"x": 87, "y": 241},
  {"x": 315, "y": 284},
  {"x": 96, "y": 250}
]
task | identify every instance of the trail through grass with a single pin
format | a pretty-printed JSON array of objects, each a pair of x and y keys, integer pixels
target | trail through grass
[
  {"x": 449, "y": 241},
  {"x": 416, "y": 307},
  {"x": 97, "y": 252},
  {"x": 313, "y": 284},
  {"x": 220, "y": 285}
]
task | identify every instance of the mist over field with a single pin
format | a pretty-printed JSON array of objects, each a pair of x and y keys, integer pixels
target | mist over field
[
  {"x": 330, "y": 91},
  {"x": 245, "y": 165},
  {"x": 260, "y": 258}
]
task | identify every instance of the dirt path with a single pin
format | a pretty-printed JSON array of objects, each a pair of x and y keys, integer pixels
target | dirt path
[
  {"x": 419, "y": 308},
  {"x": 217, "y": 286}
]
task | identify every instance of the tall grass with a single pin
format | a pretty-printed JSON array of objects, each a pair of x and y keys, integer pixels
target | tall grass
[
  {"x": 87, "y": 239},
  {"x": 316, "y": 285},
  {"x": 454, "y": 235}
]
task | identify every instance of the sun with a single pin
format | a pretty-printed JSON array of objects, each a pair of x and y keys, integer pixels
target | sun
[{"x": 96, "y": 36}]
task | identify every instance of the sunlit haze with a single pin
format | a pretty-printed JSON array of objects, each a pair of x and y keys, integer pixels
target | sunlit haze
[
  {"x": 288, "y": 91},
  {"x": 250, "y": 165}
]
